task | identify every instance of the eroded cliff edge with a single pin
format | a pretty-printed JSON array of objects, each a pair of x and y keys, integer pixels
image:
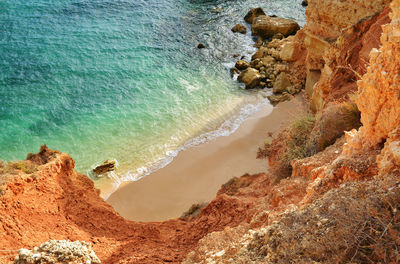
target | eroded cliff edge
[
  {"x": 339, "y": 205},
  {"x": 349, "y": 206}
]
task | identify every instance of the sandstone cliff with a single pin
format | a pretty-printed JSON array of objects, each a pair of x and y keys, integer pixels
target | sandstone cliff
[
  {"x": 339, "y": 36},
  {"x": 349, "y": 212}
]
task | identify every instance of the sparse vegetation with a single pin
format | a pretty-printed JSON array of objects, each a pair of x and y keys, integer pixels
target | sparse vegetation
[
  {"x": 356, "y": 223},
  {"x": 294, "y": 143},
  {"x": 332, "y": 122},
  {"x": 13, "y": 167},
  {"x": 193, "y": 212},
  {"x": 309, "y": 135}
]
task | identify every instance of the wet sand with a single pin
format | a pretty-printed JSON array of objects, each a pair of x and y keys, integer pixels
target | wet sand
[{"x": 196, "y": 174}]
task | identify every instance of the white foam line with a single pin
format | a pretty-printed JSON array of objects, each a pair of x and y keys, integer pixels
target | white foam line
[{"x": 226, "y": 129}]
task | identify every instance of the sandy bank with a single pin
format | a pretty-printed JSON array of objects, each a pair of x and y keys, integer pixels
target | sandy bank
[{"x": 196, "y": 174}]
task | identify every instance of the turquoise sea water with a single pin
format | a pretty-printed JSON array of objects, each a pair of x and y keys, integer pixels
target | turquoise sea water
[{"x": 122, "y": 79}]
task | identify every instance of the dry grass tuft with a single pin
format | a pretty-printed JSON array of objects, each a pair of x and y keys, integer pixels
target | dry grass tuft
[
  {"x": 356, "y": 223},
  {"x": 293, "y": 143},
  {"x": 193, "y": 212},
  {"x": 14, "y": 167}
]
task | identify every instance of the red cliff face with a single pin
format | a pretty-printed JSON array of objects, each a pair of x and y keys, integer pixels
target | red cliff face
[{"x": 56, "y": 202}]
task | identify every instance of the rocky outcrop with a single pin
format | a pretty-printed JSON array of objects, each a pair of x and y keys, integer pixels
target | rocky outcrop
[
  {"x": 350, "y": 211},
  {"x": 267, "y": 27},
  {"x": 106, "y": 166},
  {"x": 239, "y": 28},
  {"x": 338, "y": 36},
  {"x": 379, "y": 93},
  {"x": 253, "y": 13},
  {"x": 282, "y": 83},
  {"x": 250, "y": 77},
  {"x": 327, "y": 19},
  {"x": 58, "y": 252},
  {"x": 277, "y": 57},
  {"x": 345, "y": 61},
  {"x": 242, "y": 65}
]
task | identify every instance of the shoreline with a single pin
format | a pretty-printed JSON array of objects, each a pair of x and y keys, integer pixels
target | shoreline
[
  {"x": 113, "y": 181},
  {"x": 196, "y": 174}
]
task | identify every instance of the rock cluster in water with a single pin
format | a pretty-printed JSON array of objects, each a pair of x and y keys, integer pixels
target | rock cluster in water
[
  {"x": 270, "y": 66},
  {"x": 106, "y": 166}
]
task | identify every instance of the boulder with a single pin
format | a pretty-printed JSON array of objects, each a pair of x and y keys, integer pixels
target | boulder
[
  {"x": 58, "y": 251},
  {"x": 242, "y": 65},
  {"x": 253, "y": 13},
  {"x": 304, "y": 3},
  {"x": 250, "y": 77},
  {"x": 268, "y": 61},
  {"x": 257, "y": 64},
  {"x": 281, "y": 83},
  {"x": 260, "y": 53},
  {"x": 267, "y": 27},
  {"x": 278, "y": 36},
  {"x": 234, "y": 71},
  {"x": 108, "y": 165},
  {"x": 290, "y": 51},
  {"x": 239, "y": 28},
  {"x": 275, "y": 99},
  {"x": 201, "y": 46}
]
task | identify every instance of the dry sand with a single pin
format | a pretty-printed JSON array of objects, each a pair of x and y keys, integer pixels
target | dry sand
[{"x": 196, "y": 174}]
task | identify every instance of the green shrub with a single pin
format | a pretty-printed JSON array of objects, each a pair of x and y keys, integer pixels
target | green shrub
[{"x": 14, "y": 166}]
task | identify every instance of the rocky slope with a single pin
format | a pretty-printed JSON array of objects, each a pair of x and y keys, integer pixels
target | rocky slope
[
  {"x": 349, "y": 212},
  {"x": 53, "y": 201}
]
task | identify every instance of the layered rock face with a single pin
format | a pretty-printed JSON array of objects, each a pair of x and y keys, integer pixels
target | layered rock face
[
  {"x": 350, "y": 210},
  {"x": 339, "y": 36},
  {"x": 379, "y": 89},
  {"x": 327, "y": 19}
]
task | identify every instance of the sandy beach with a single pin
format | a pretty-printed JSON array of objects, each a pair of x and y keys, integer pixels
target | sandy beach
[{"x": 196, "y": 174}]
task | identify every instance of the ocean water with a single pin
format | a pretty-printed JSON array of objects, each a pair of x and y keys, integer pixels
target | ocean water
[{"x": 123, "y": 79}]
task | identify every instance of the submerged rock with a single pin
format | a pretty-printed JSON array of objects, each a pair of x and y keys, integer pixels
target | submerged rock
[
  {"x": 58, "y": 251},
  {"x": 267, "y": 27},
  {"x": 108, "y": 165},
  {"x": 239, "y": 28},
  {"x": 253, "y": 13},
  {"x": 201, "y": 46},
  {"x": 217, "y": 10},
  {"x": 250, "y": 77}
]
